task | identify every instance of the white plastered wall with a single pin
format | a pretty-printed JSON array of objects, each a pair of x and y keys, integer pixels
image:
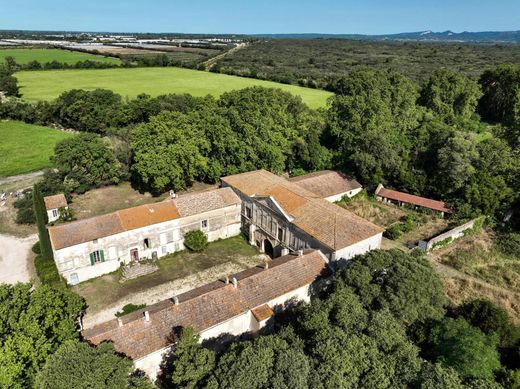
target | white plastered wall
[{"x": 372, "y": 243}]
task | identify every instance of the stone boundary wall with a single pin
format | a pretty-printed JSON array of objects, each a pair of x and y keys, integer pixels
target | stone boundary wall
[{"x": 454, "y": 233}]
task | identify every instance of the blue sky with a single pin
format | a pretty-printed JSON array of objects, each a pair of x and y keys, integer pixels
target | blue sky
[{"x": 261, "y": 16}]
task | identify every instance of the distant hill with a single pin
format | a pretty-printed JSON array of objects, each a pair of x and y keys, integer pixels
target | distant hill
[{"x": 426, "y": 36}]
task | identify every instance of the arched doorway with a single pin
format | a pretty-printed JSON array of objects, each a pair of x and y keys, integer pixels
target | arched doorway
[{"x": 268, "y": 248}]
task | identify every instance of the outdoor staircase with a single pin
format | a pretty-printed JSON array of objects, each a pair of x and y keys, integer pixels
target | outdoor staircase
[{"x": 135, "y": 270}]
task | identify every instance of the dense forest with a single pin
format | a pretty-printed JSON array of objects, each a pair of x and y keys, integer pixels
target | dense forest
[{"x": 315, "y": 62}]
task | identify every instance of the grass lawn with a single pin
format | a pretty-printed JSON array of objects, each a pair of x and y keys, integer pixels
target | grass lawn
[
  {"x": 25, "y": 147},
  {"x": 106, "y": 290},
  {"x": 23, "y": 56},
  {"x": 49, "y": 84}
]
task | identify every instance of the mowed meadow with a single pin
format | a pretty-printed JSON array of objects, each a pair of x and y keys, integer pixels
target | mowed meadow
[
  {"x": 25, "y": 147},
  {"x": 49, "y": 84},
  {"x": 24, "y": 56}
]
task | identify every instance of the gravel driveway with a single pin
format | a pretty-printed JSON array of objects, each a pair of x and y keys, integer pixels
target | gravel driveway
[{"x": 14, "y": 258}]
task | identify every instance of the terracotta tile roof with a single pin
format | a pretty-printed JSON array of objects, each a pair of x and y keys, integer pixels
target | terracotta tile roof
[
  {"x": 412, "y": 199},
  {"x": 326, "y": 183},
  {"x": 205, "y": 307},
  {"x": 262, "y": 312},
  {"x": 81, "y": 231},
  {"x": 195, "y": 203},
  {"x": 55, "y": 202},
  {"x": 329, "y": 223}
]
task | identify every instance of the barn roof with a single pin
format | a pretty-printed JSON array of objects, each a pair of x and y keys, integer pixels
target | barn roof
[
  {"x": 412, "y": 199},
  {"x": 82, "y": 231},
  {"x": 209, "y": 305},
  {"x": 329, "y": 223},
  {"x": 326, "y": 183},
  {"x": 55, "y": 202}
]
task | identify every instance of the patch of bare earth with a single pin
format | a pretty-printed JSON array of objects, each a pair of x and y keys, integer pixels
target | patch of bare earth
[
  {"x": 376, "y": 212},
  {"x": 8, "y": 223}
]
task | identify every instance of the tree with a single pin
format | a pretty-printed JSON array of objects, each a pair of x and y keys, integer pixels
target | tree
[
  {"x": 33, "y": 324},
  {"x": 40, "y": 214},
  {"x": 78, "y": 365},
  {"x": 435, "y": 376},
  {"x": 189, "y": 364},
  {"x": 457, "y": 344},
  {"x": 368, "y": 120},
  {"x": 92, "y": 111},
  {"x": 449, "y": 93},
  {"x": 9, "y": 85},
  {"x": 85, "y": 162},
  {"x": 405, "y": 285}
]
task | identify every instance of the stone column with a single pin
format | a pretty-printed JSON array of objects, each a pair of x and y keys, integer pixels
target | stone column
[{"x": 252, "y": 229}]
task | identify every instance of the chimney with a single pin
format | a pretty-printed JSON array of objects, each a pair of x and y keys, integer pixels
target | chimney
[
  {"x": 300, "y": 252},
  {"x": 266, "y": 265},
  {"x": 226, "y": 280},
  {"x": 120, "y": 322},
  {"x": 146, "y": 316},
  {"x": 235, "y": 283},
  {"x": 175, "y": 300}
]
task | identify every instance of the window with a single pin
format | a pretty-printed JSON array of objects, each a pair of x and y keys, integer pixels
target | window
[
  {"x": 280, "y": 234},
  {"x": 163, "y": 250},
  {"x": 146, "y": 243},
  {"x": 74, "y": 279},
  {"x": 97, "y": 257},
  {"x": 163, "y": 238},
  {"x": 54, "y": 213},
  {"x": 204, "y": 224}
]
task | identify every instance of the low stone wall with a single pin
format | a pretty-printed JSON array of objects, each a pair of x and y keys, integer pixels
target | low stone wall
[{"x": 446, "y": 237}]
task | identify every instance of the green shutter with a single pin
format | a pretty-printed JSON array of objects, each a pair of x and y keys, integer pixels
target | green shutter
[
  {"x": 102, "y": 255},
  {"x": 92, "y": 259}
]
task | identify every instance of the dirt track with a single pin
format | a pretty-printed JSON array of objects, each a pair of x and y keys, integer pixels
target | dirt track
[{"x": 15, "y": 254}]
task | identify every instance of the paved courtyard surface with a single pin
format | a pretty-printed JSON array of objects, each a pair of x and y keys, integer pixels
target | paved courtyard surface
[{"x": 15, "y": 256}]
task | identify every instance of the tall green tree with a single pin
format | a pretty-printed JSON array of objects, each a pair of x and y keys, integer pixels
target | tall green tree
[
  {"x": 33, "y": 324},
  {"x": 449, "y": 93},
  {"x": 455, "y": 343},
  {"x": 85, "y": 161},
  {"x": 79, "y": 365}
]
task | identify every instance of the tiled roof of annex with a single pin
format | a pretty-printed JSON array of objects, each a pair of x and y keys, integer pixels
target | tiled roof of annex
[
  {"x": 55, "y": 201},
  {"x": 424, "y": 202},
  {"x": 209, "y": 305},
  {"x": 326, "y": 183},
  {"x": 329, "y": 223},
  {"x": 82, "y": 231}
]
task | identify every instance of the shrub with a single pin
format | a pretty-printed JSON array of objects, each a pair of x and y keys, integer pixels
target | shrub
[
  {"x": 47, "y": 272},
  {"x": 36, "y": 248},
  {"x": 394, "y": 231},
  {"x": 129, "y": 308},
  {"x": 195, "y": 240},
  {"x": 25, "y": 216},
  {"x": 509, "y": 244}
]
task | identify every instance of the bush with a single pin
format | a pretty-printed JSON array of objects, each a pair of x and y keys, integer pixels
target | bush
[
  {"x": 195, "y": 240},
  {"x": 509, "y": 244},
  {"x": 25, "y": 216},
  {"x": 47, "y": 272},
  {"x": 129, "y": 308},
  {"x": 36, "y": 248},
  {"x": 393, "y": 232}
]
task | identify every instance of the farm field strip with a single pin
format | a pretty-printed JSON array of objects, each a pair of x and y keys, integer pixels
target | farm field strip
[
  {"x": 49, "y": 84},
  {"x": 25, "y": 147},
  {"x": 24, "y": 56}
]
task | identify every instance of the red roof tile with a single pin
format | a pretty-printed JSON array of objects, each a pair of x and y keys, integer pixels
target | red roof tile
[
  {"x": 412, "y": 199},
  {"x": 326, "y": 183},
  {"x": 205, "y": 307}
]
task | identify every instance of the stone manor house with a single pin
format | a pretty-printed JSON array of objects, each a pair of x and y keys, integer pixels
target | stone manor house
[{"x": 278, "y": 215}]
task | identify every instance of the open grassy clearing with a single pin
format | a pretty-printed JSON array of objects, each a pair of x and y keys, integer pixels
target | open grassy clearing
[
  {"x": 47, "y": 85},
  {"x": 478, "y": 256},
  {"x": 26, "y": 147},
  {"x": 104, "y": 291},
  {"x": 26, "y": 55}
]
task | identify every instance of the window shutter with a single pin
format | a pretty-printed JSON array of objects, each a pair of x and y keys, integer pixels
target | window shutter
[
  {"x": 102, "y": 255},
  {"x": 92, "y": 259}
]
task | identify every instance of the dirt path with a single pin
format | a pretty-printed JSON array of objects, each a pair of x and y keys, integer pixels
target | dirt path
[
  {"x": 169, "y": 289},
  {"x": 21, "y": 177},
  {"x": 211, "y": 62},
  {"x": 15, "y": 259}
]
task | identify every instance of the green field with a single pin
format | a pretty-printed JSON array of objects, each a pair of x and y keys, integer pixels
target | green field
[
  {"x": 23, "y": 56},
  {"x": 25, "y": 147},
  {"x": 49, "y": 84}
]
